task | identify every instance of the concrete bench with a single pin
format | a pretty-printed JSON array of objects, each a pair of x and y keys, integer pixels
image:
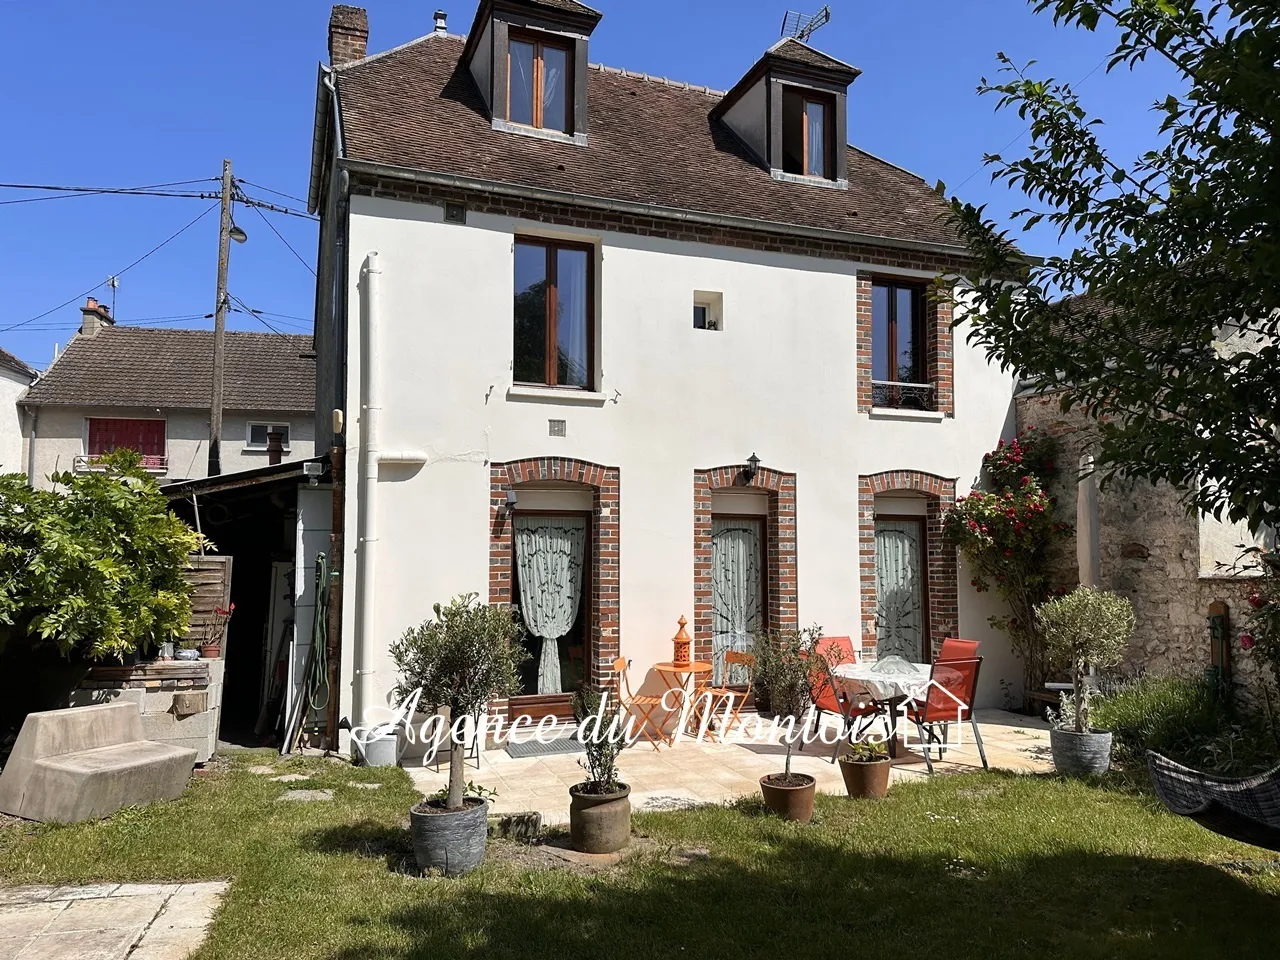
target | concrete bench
[{"x": 86, "y": 763}]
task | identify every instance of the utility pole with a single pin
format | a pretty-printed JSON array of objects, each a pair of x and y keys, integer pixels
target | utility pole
[{"x": 220, "y": 326}]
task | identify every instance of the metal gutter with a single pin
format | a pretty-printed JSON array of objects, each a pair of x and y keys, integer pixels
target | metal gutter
[{"x": 503, "y": 188}]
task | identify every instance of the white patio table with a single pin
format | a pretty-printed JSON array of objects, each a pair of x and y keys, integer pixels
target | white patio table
[{"x": 889, "y": 681}]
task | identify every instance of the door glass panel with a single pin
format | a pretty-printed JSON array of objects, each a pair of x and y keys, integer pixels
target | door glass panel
[
  {"x": 737, "y": 590},
  {"x": 520, "y": 109},
  {"x": 555, "y": 75},
  {"x": 530, "y": 364},
  {"x": 899, "y": 590},
  {"x": 571, "y": 318},
  {"x": 550, "y": 573}
]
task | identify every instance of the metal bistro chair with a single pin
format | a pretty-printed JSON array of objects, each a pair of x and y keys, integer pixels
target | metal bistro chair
[
  {"x": 725, "y": 695},
  {"x": 952, "y": 685},
  {"x": 954, "y": 648},
  {"x": 643, "y": 705}
]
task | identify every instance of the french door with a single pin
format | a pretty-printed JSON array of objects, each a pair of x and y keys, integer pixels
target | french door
[
  {"x": 901, "y": 596},
  {"x": 738, "y": 590}
]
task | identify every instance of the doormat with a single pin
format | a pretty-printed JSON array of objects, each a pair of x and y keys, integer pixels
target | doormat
[{"x": 534, "y": 748}]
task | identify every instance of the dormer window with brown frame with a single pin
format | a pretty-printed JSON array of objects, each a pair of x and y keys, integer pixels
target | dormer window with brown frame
[
  {"x": 808, "y": 134},
  {"x": 539, "y": 83}
]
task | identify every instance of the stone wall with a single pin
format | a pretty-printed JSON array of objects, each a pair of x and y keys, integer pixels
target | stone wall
[{"x": 1149, "y": 547}]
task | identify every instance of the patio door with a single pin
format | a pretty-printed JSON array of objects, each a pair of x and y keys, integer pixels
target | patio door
[
  {"x": 552, "y": 591},
  {"x": 900, "y": 588},
  {"x": 738, "y": 599}
]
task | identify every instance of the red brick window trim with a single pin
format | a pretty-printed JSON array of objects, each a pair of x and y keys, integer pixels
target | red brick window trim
[
  {"x": 938, "y": 350},
  {"x": 940, "y": 558},
  {"x": 780, "y": 539},
  {"x": 603, "y": 607}
]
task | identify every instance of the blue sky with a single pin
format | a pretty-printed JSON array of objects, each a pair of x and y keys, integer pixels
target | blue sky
[{"x": 143, "y": 92}]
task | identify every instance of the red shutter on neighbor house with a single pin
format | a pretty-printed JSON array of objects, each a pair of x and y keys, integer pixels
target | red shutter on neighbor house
[{"x": 107, "y": 434}]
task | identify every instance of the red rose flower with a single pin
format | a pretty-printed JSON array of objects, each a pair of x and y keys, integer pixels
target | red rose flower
[
  {"x": 1255, "y": 600},
  {"x": 1246, "y": 641}
]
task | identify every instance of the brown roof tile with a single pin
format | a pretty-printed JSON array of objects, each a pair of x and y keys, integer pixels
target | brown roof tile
[
  {"x": 10, "y": 362},
  {"x": 135, "y": 367},
  {"x": 799, "y": 52},
  {"x": 650, "y": 141}
]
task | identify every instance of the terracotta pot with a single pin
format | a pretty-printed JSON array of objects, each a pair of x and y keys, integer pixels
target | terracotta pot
[
  {"x": 866, "y": 779},
  {"x": 210, "y": 651},
  {"x": 790, "y": 802},
  {"x": 450, "y": 841},
  {"x": 599, "y": 822}
]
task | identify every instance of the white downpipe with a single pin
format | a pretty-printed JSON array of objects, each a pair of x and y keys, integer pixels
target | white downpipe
[
  {"x": 1088, "y": 558},
  {"x": 364, "y": 693}
]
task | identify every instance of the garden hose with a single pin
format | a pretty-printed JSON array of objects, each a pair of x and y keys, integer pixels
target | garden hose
[{"x": 318, "y": 677}]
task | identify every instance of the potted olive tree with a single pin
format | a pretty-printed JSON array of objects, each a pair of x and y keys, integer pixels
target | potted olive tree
[
  {"x": 865, "y": 769},
  {"x": 795, "y": 657},
  {"x": 463, "y": 658},
  {"x": 599, "y": 808},
  {"x": 1087, "y": 627}
]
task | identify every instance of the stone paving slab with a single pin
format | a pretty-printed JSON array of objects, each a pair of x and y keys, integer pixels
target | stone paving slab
[{"x": 131, "y": 921}]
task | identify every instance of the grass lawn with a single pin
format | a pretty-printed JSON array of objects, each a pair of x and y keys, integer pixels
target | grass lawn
[{"x": 978, "y": 865}]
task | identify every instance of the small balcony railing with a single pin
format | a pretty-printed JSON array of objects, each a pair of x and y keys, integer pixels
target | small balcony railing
[
  {"x": 92, "y": 463},
  {"x": 903, "y": 396}
]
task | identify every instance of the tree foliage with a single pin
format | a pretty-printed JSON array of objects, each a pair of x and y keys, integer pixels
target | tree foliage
[
  {"x": 1172, "y": 345},
  {"x": 97, "y": 570},
  {"x": 1087, "y": 627}
]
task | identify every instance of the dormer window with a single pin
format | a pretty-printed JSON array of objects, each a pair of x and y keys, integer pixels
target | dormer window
[
  {"x": 539, "y": 90},
  {"x": 807, "y": 134}
]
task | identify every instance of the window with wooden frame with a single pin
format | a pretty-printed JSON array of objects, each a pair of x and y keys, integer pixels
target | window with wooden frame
[
  {"x": 808, "y": 134},
  {"x": 899, "y": 373},
  {"x": 554, "y": 313},
  {"x": 539, "y": 83}
]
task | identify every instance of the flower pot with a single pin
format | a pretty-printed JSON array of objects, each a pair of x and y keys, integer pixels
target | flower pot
[
  {"x": 381, "y": 748},
  {"x": 210, "y": 651},
  {"x": 450, "y": 841},
  {"x": 599, "y": 822},
  {"x": 185, "y": 654},
  {"x": 166, "y": 650},
  {"x": 1081, "y": 754},
  {"x": 866, "y": 779},
  {"x": 790, "y": 800}
]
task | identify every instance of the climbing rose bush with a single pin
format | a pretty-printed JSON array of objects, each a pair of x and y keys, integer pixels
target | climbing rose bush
[
  {"x": 1006, "y": 535},
  {"x": 1261, "y": 635}
]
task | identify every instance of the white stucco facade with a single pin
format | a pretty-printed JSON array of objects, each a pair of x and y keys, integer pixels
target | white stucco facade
[
  {"x": 62, "y": 435},
  {"x": 778, "y": 379},
  {"x": 12, "y": 386}
]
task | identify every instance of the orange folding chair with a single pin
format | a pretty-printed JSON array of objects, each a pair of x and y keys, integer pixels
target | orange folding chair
[
  {"x": 725, "y": 695},
  {"x": 642, "y": 705},
  {"x": 956, "y": 649}
]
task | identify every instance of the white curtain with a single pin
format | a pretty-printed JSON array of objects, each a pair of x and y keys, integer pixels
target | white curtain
[
  {"x": 899, "y": 593},
  {"x": 554, "y": 62},
  {"x": 571, "y": 316},
  {"x": 521, "y": 82},
  {"x": 816, "y": 117},
  {"x": 549, "y": 564},
  {"x": 737, "y": 596}
]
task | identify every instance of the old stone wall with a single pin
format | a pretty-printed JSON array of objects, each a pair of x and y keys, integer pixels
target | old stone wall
[{"x": 1149, "y": 547}]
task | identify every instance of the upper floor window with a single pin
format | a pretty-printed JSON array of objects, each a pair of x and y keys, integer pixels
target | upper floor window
[
  {"x": 898, "y": 361},
  {"x": 554, "y": 329},
  {"x": 539, "y": 91},
  {"x": 808, "y": 134},
  {"x": 257, "y": 436},
  {"x": 106, "y": 434}
]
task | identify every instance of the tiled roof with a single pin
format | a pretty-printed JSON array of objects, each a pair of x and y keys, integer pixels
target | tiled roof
[
  {"x": 651, "y": 141},
  {"x": 797, "y": 51},
  {"x": 9, "y": 362},
  {"x": 136, "y": 367},
  {"x": 573, "y": 6}
]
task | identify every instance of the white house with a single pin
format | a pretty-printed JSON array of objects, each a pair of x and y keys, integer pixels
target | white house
[
  {"x": 149, "y": 390},
  {"x": 15, "y": 377},
  {"x": 621, "y": 350}
]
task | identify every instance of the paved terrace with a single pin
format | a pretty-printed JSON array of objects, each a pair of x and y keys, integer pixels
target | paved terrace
[{"x": 691, "y": 773}]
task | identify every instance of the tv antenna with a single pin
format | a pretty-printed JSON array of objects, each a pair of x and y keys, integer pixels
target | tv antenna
[{"x": 801, "y": 26}]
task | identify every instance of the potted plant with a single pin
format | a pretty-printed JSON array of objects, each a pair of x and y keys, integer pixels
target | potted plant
[
  {"x": 187, "y": 649},
  {"x": 461, "y": 659},
  {"x": 795, "y": 657},
  {"x": 1087, "y": 627},
  {"x": 865, "y": 769},
  {"x": 599, "y": 808},
  {"x": 215, "y": 631}
]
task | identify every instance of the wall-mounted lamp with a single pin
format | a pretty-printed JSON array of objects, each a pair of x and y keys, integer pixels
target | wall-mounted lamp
[
  {"x": 752, "y": 468},
  {"x": 509, "y": 507}
]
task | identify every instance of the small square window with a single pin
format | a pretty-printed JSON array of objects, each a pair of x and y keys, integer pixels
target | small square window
[
  {"x": 707, "y": 309},
  {"x": 257, "y": 438}
]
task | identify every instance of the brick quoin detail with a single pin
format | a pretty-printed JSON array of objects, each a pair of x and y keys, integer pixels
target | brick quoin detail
[
  {"x": 602, "y": 564},
  {"x": 939, "y": 350},
  {"x": 780, "y": 536},
  {"x": 940, "y": 557}
]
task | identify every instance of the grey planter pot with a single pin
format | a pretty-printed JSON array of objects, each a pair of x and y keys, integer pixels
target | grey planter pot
[
  {"x": 599, "y": 822},
  {"x": 1081, "y": 754},
  {"x": 451, "y": 843}
]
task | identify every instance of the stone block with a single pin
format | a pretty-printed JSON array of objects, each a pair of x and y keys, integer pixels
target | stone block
[{"x": 186, "y": 704}]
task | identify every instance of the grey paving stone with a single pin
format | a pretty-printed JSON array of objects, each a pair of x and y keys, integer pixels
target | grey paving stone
[
  {"x": 10, "y": 947},
  {"x": 28, "y": 919},
  {"x": 25, "y": 894},
  {"x": 88, "y": 892},
  {"x": 364, "y": 786},
  {"x": 305, "y": 796},
  {"x": 290, "y": 778},
  {"x": 108, "y": 913},
  {"x": 84, "y": 945}
]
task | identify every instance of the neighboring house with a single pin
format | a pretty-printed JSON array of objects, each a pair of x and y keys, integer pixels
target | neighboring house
[
  {"x": 15, "y": 377},
  {"x": 149, "y": 390},
  {"x": 592, "y": 297}
]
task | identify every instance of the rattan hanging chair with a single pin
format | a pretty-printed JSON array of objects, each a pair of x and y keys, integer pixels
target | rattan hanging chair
[{"x": 1245, "y": 809}]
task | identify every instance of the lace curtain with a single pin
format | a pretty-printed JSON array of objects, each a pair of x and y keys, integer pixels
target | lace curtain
[
  {"x": 737, "y": 597},
  {"x": 549, "y": 564},
  {"x": 899, "y": 597}
]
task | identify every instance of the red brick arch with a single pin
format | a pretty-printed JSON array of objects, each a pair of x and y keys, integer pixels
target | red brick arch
[
  {"x": 780, "y": 533},
  {"x": 940, "y": 558},
  {"x": 603, "y": 482}
]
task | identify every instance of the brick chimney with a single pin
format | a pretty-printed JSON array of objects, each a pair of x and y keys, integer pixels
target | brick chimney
[
  {"x": 93, "y": 317},
  {"x": 348, "y": 34}
]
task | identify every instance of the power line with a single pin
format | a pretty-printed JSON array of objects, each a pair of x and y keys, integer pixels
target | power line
[
  {"x": 263, "y": 217},
  {"x": 116, "y": 273},
  {"x": 258, "y": 186},
  {"x": 61, "y": 192},
  {"x": 249, "y": 310},
  {"x": 249, "y": 201}
]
